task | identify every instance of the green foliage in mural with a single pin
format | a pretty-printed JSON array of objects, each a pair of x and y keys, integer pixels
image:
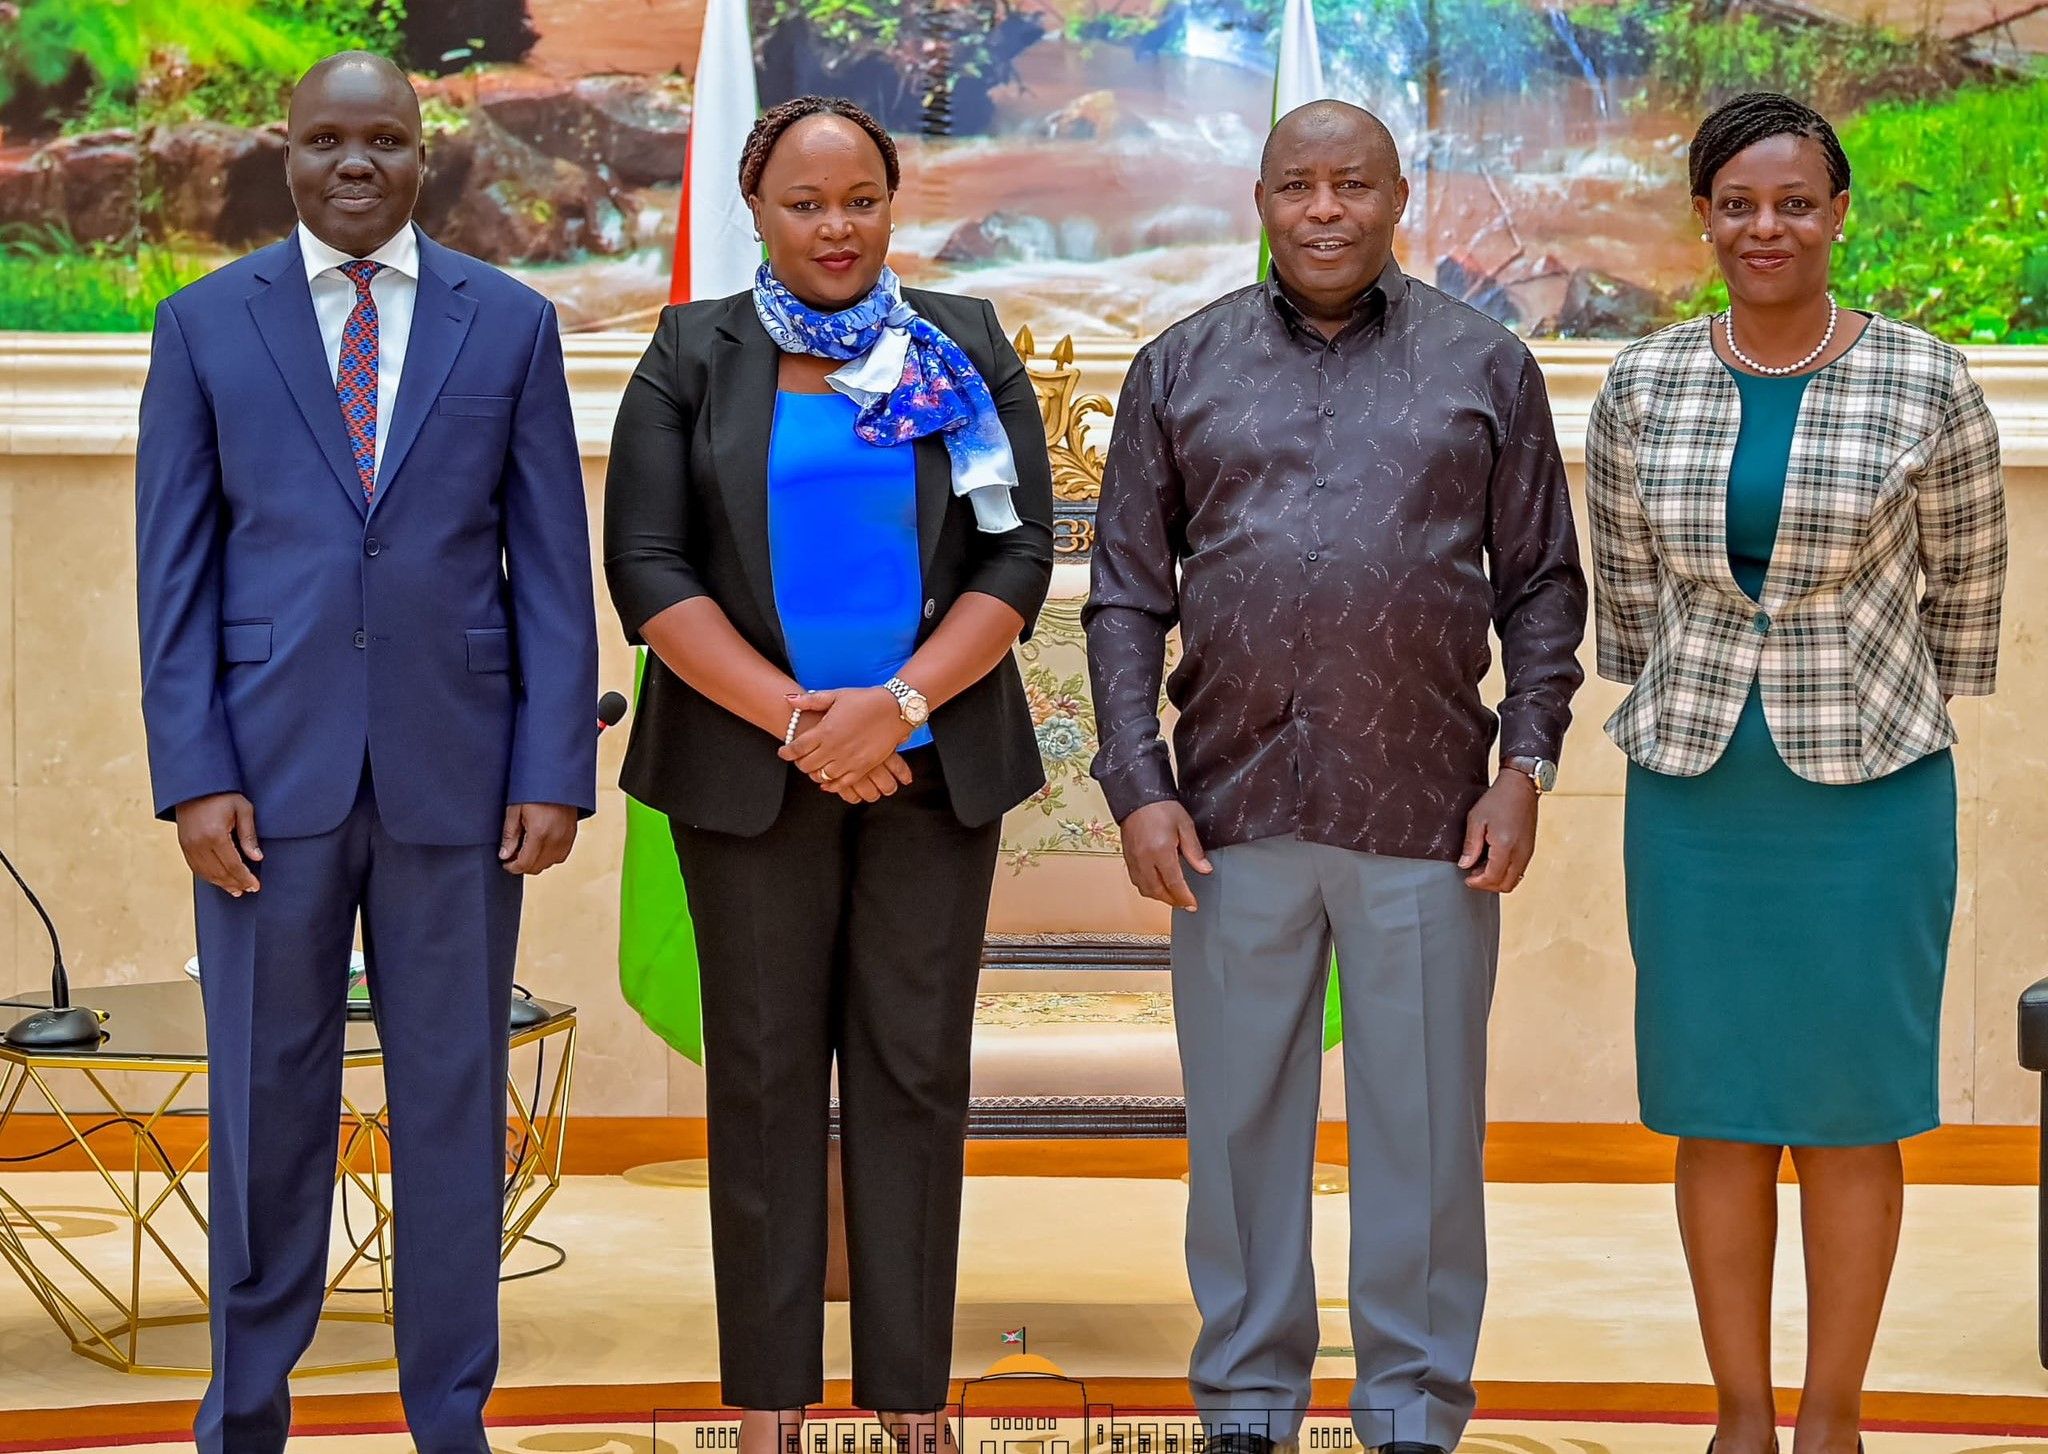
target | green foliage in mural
[
  {"x": 1948, "y": 222},
  {"x": 51, "y": 284},
  {"x": 232, "y": 60},
  {"x": 1695, "y": 54}
]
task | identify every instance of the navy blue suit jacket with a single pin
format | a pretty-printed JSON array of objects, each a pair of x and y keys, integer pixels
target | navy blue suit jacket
[{"x": 289, "y": 627}]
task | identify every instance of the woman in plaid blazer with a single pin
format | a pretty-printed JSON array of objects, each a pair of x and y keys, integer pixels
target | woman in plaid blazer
[{"x": 1799, "y": 550}]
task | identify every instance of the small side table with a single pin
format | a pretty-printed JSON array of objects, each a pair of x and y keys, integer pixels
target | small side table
[{"x": 160, "y": 1030}]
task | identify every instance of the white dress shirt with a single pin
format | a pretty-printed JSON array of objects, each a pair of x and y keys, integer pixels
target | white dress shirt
[{"x": 395, "y": 289}]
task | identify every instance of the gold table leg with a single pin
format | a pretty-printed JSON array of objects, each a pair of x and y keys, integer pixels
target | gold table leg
[{"x": 105, "y": 1322}]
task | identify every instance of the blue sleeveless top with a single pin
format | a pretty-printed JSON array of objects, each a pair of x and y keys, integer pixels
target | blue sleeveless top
[{"x": 842, "y": 541}]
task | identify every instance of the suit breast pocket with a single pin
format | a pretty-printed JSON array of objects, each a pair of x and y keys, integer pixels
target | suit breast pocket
[{"x": 475, "y": 406}]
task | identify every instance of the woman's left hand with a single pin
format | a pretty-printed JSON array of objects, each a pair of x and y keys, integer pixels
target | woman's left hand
[{"x": 860, "y": 729}]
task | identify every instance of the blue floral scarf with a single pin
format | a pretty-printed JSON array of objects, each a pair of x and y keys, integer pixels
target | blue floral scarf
[{"x": 909, "y": 380}]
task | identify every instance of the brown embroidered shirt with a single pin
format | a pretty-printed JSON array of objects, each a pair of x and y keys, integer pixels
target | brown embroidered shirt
[{"x": 1333, "y": 524}]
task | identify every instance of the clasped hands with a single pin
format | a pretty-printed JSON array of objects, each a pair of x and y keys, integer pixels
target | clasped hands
[{"x": 846, "y": 742}]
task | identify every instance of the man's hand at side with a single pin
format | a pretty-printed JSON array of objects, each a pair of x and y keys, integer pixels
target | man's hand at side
[
  {"x": 1501, "y": 830},
  {"x": 1156, "y": 838},
  {"x": 217, "y": 834},
  {"x": 537, "y": 836}
]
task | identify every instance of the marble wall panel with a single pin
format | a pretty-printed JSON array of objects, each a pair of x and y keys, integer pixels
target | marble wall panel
[
  {"x": 2011, "y": 819},
  {"x": 78, "y": 719},
  {"x": 1563, "y": 1042},
  {"x": 18, "y": 971},
  {"x": 10, "y": 471}
]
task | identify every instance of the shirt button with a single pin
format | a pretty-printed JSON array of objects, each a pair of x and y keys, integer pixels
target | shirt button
[
  {"x": 1320, "y": 482},
  {"x": 1761, "y": 623},
  {"x": 371, "y": 547},
  {"x": 362, "y": 640},
  {"x": 1311, "y": 555},
  {"x": 1329, "y": 411}
]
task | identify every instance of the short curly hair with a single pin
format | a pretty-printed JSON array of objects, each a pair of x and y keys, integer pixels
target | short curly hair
[
  {"x": 1740, "y": 124},
  {"x": 778, "y": 119}
]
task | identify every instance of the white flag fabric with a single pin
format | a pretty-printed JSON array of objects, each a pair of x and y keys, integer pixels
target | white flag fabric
[
  {"x": 1299, "y": 78},
  {"x": 716, "y": 253}
]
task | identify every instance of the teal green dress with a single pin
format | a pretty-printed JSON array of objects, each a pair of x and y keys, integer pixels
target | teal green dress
[{"x": 1790, "y": 937}]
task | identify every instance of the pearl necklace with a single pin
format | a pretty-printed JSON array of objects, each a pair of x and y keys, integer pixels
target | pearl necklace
[{"x": 1728, "y": 332}]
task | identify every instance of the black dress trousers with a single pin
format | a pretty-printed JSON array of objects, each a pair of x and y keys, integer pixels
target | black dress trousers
[{"x": 855, "y": 931}]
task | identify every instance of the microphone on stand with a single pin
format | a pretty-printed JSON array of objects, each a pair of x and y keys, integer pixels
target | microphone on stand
[
  {"x": 63, "y": 1023},
  {"x": 525, "y": 1010}
]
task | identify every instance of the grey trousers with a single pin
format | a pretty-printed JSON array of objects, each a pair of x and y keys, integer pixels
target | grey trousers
[{"x": 1416, "y": 951}]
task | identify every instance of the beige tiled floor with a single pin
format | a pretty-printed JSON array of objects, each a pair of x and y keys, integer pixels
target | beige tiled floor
[{"x": 1587, "y": 1287}]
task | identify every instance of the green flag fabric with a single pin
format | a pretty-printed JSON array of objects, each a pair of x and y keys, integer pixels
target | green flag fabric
[{"x": 657, "y": 942}]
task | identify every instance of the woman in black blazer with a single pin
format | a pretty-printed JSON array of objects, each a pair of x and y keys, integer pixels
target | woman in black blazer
[{"x": 838, "y": 848}]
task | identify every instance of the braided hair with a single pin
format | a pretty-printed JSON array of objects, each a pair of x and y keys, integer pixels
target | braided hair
[
  {"x": 778, "y": 119},
  {"x": 1738, "y": 125}
]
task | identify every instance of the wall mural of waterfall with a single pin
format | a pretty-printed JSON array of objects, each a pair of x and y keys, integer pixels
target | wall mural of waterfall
[{"x": 1086, "y": 163}]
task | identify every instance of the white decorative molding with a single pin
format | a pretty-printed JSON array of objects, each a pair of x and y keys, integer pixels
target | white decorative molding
[{"x": 71, "y": 393}]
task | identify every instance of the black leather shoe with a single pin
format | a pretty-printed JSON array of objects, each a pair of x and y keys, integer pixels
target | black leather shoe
[
  {"x": 1411, "y": 1446},
  {"x": 1237, "y": 1441}
]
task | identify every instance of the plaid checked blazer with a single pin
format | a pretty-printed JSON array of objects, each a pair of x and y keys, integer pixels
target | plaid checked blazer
[{"x": 1884, "y": 584}]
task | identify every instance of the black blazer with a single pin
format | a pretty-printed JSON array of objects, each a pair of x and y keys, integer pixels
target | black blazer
[{"x": 686, "y": 514}]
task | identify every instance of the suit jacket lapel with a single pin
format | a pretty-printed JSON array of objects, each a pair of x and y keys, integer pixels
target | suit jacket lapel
[
  {"x": 283, "y": 311},
  {"x": 934, "y": 490},
  {"x": 740, "y": 404},
  {"x": 1683, "y": 458},
  {"x": 1831, "y": 482},
  {"x": 441, "y": 316},
  {"x": 934, "y": 476}
]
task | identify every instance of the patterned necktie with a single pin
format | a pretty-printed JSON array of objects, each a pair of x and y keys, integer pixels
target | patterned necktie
[{"x": 356, "y": 378}]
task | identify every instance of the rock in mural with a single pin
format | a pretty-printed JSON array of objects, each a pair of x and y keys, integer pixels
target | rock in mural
[
  {"x": 81, "y": 184},
  {"x": 209, "y": 180},
  {"x": 492, "y": 195}
]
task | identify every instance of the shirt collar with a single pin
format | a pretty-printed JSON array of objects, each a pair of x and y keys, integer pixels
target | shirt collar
[
  {"x": 1386, "y": 290},
  {"x": 401, "y": 254}
]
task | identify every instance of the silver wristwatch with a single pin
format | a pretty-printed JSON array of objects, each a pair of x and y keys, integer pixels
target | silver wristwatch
[
  {"x": 1539, "y": 770},
  {"x": 909, "y": 701}
]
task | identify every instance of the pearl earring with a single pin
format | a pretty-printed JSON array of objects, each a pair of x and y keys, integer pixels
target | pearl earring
[
  {"x": 1840, "y": 236},
  {"x": 1706, "y": 237}
]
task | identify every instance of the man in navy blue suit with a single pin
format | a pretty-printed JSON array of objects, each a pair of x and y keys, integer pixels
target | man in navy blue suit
[{"x": 368, "y": 634}]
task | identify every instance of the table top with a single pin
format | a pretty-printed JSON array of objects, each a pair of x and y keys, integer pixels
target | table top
[{"x": 163, "y": 1026}]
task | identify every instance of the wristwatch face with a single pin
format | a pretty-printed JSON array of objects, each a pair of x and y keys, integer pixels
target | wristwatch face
[
  {"x": 1544, "y": 772},
  {"x": 915, "y": 709}
]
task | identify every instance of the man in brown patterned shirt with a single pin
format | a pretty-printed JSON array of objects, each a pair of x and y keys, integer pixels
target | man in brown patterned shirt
[{"x": 1333, "y": 482}]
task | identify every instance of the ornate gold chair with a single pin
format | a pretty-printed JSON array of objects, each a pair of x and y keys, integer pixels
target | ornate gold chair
[{"x": 1076, "y": 462}]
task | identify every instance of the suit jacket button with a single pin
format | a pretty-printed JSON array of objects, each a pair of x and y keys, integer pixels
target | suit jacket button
[
  {"x": 1761, "y": 622},
  {"x": 362, "y": 640},
  {"x": 371, "y": 547},
  {"x": 930, "y": 609}
]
